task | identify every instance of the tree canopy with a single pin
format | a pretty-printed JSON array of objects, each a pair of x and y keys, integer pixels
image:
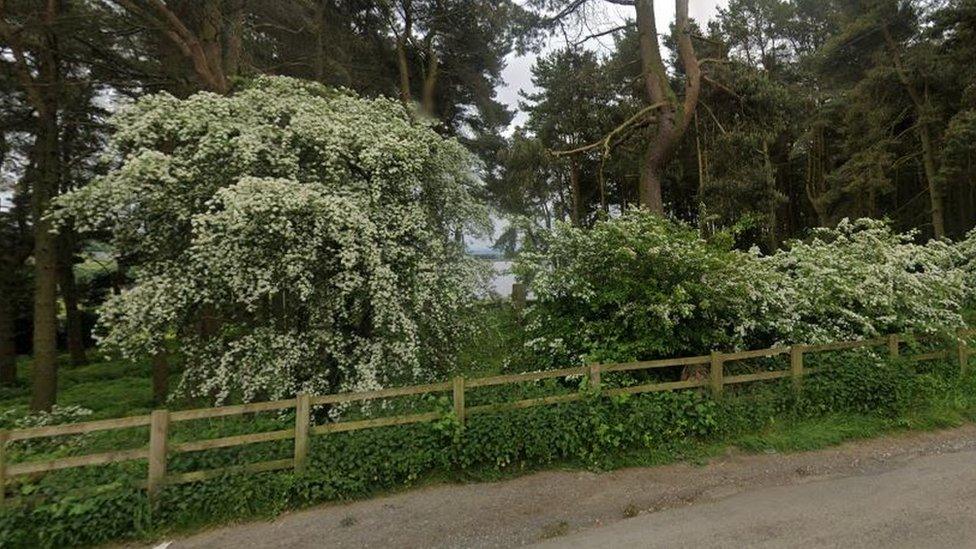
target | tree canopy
[{"x": 808, "y": 112}]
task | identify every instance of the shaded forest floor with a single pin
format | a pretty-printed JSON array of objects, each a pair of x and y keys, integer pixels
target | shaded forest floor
[{"x": 109, "y": 388}]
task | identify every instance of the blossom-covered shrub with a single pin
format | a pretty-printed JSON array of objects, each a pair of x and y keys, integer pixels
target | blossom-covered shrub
[
  {"x": 290, "y": 237},
  {"x": 639, "y": 287},
  {"x": 966, "y": 249},
  {"x": 862, "y": 279}
]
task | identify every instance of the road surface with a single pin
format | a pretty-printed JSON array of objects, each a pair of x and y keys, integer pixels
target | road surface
[
  {"x": 929, "y": 502},
  {"x": 912, "y": 490}
]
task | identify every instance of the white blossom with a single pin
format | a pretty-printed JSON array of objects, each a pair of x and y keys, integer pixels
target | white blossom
[{"x": 313, "y": 231}]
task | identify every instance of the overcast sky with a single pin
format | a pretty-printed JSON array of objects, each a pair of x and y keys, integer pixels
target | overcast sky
[{"x": 518, "y": 75}]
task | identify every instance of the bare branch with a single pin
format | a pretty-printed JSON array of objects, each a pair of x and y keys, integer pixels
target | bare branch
[
  {"x": 715, "y": 60},
  {"x": 605, "y": 141},
  {"x": 721, "y": 86},
  {"x": 714, "y": 118},
  {"x": 603, "y": 33},
  {"x": 569, "y": 9}
]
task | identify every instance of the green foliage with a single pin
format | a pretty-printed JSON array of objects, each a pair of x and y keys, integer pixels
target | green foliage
[
  {"x": 495, "y": 331},
  {"x": 14, "y": 418},
  {"x": 639, "y": 287},
  {"x": 811, "y": 434},
  {"x": 109, "y": 388},
  {"x": 863, "y": 383},
  {"x": 76, "y": 521}
]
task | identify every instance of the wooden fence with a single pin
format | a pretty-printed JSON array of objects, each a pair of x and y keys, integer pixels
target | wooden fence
[{"x": 160, "y": 420}]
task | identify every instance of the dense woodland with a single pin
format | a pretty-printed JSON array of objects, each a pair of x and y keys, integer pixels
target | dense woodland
[{"x": 776, "y": 117}]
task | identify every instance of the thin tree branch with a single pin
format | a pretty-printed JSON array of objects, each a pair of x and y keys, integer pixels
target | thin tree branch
[
  {"x": 606, "y": 139},
  {"x": 721, "y": 86},
  {"x": 603, "y": 33},
  {"x": 716, "y": 60}
]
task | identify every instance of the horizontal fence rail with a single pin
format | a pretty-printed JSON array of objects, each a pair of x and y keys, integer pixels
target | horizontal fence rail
[{"x": 159, "y": 421}]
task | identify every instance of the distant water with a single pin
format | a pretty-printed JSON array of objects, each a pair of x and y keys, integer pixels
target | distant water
[{"x": 503, "y": 279}]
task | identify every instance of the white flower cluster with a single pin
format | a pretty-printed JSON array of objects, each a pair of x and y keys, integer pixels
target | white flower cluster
[
  {"x": 639, "y": 286},
  {"x": 862, "y": 279},
  {"x": 290, "y": 237},
  {"x": 967, "y": 262},
  {"x": 17, "y": 418}
]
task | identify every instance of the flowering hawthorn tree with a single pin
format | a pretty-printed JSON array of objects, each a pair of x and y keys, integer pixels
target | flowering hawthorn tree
[{"x": 291, "y": 237}]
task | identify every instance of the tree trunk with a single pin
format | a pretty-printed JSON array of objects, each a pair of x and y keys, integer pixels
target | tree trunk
[
  {"x": 8, "y": 350},
  {"x": 650, "y": 179},
  {"x": 211, "y": 43},
  {"x": 69, "y": 295},
  {"x": 770, "y": 174},
  {"x": 675, "y": 115},
  {"x": 204, "y": 45},
  {"x": 701, "y": 163},
  {"x": 160, "y": 378},
  {"x": 42, "y": 91},
  {"x": 404, "y": 69},
  {"x": 430, "y": 81},
  {"x": 931, "y": 176},
  {"x": 403, "y": 64},
  {"x": 657, "y": 90},
  {"x": 576, "y": 207},
  {"x": 318, "y": 60},
  {"x": 924, "y": 135},
  {"x": 233, "y": 33},
  {"x": 45, "y": 365},
  {"x": 9, "y": 262}
]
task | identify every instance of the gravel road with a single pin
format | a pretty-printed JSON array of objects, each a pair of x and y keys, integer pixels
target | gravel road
[{"x": 905, "y": 490}]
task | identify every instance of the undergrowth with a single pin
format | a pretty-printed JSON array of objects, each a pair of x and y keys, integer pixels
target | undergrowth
[{"x": 852, "y": 395}]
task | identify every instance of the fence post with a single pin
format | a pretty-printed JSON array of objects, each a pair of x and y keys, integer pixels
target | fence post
[
  {"x": 303, "y": 407},
  {"x": 158, "y": 433},
  {"x": 796, "y": 365},
  {"x": 893, "y": 345},
  {"x": 715, "y": 373},
  {"x": 3, "y": 466},
  {"x": 595, "y": 376},
  {"x": 962, "y": 348},
  {"x": 459, "y": 400}
]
